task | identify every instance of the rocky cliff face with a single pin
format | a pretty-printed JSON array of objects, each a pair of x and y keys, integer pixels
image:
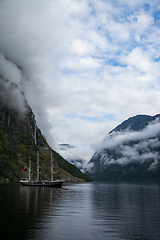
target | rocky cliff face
[
  {"x": 21, "y": 139},
  {"x": 130, "y": 152}
]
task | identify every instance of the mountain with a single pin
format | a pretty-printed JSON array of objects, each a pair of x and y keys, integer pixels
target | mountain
[
  {"x": 65, "y": 146},
  {"x": 130, "y": 152},
  {"x": 79, "y": 163},
  {"x": 20, "y": 138}
]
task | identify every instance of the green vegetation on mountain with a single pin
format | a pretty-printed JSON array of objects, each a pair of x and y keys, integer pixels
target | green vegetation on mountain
[
  {"x": 9, "y": 163},
  {"x": 17, "y": 144},
  {"x": 72, "y": 169}
]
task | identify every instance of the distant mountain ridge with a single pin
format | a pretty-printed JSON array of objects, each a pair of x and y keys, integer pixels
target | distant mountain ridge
[
  {"x": 64, "y": 146},
  {"x": 130, "y": 152},
  {"x": 75, "y": 161},
  {"x": 136, "y": 123}
]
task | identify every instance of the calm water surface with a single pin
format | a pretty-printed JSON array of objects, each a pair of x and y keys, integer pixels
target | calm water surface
[{"x": 88, "y": 211}]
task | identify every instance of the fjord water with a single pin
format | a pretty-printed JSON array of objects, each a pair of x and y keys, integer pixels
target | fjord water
[{"x": 88, "y": 211}]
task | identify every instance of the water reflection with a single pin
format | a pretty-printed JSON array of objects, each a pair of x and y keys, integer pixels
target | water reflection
[
  {"x": 22, "y": 209},
  {"x": 131, "y": 210},
  {"x": 90, "y": 211}
]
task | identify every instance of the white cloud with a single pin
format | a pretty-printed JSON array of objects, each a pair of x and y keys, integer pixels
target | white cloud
[
  {"x": 138, "y": 59},
  {"x": 141, "y": 152},
  {"x": 119, "y": 138},
  {"x": 82, "y": 47},
  {"x": 9, "y": 71},
  {"x": 88, "y": 59}
]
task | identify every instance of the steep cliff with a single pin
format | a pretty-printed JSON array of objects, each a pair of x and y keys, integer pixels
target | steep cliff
[{"x": 21, "y": 139}]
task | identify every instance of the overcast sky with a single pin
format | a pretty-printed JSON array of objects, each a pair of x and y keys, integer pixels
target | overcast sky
[{"x": 86, "y": 66}]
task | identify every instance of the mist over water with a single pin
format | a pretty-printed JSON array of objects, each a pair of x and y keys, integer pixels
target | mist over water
[{"x": 81, "y": 211}]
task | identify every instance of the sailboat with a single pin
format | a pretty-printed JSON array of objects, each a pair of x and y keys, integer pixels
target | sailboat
[
  {"x": 51, "y": 183},
  {"x": 47, "y": 183}
]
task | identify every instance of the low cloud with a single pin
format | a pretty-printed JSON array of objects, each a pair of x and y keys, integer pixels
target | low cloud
[
  {"x": 130, "y": 154},
  {"x": 78, "y": 58},
  {"x": 11, "y": 93},
  {"x": 138, "y": 152},
  {"x": 119, "y": 138},
  {"x": 126, "y": 147},
  {"x": 75, "y": 153}
]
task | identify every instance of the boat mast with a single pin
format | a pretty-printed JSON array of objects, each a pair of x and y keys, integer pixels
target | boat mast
[
  {"x": 29, "y": 171},
  {"x": 51, "y": 168},
  {"x": 37, "y": 166},
  {"x": 35, "y": 138}
]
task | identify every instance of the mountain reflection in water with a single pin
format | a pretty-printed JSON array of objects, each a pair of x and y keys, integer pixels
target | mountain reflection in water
[{"x": 86, "y": 211}]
